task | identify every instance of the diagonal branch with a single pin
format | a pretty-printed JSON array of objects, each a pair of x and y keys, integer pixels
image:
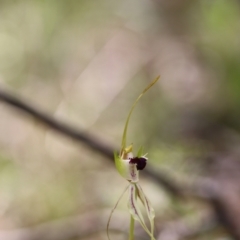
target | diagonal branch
[
  {"x": 200, "y": 190},
  {"x": 55, "y": 124},
  {"x": 82, "y": 137}
]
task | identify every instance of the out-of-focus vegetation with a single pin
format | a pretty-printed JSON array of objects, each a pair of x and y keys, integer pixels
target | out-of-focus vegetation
[{"x": 84, "y": 62}]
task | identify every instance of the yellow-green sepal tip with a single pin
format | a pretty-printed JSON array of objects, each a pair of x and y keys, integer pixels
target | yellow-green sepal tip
[{"x": 140, "y": 152}]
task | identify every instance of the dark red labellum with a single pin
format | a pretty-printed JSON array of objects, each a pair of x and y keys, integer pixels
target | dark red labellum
[{"x": 141, "y": 162}]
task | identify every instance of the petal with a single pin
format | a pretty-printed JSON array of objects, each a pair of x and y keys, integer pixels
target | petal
[
  {"x": 134, "y": 209},
  {"x": 132, "y": 205},
  {"x": 148, "y": 207},
  {"x": 146, "y": 202}
]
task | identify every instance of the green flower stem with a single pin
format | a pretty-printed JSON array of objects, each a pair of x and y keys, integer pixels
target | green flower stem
[
  {"x": 152, "y": 231},
  {"x": 132, "y": 224},
  {"x": 131, "y": 228}
]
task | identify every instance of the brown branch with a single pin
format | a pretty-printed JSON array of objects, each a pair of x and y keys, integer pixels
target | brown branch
[
  {"x": 84, "y": 138},
  {"x": 55, "y": 124},
  {"x": 199, "y": 190}
]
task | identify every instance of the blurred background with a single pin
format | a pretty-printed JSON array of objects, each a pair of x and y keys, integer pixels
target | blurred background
[{"x": 84, "y": 63}]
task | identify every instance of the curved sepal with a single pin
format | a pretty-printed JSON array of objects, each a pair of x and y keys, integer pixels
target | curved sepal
[
  {"x": 148, "y": 207},
  {"x": 125, "y": 168},
  {"x": 135, "y": 211},
  {"x": 124, "y": 137},
  {"x": 120, "y": 165}
]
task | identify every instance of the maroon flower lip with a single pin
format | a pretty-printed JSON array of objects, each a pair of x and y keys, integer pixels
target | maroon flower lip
[{"x": 141, "y": 162}]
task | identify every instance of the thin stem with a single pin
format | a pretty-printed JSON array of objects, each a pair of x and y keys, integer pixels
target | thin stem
[
  {"x": 131, "y": 228},
  {"x": 152, "y": 231}
]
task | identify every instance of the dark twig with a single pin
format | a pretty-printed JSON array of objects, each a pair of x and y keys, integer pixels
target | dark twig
[
  {"x": 55, "y": 124},
  {"x": 200, "y": 190},
  {"x": 84, "y": 138}
]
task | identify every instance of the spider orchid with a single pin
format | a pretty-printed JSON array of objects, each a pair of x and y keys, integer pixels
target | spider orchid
[{"x": 128, "y": 167}]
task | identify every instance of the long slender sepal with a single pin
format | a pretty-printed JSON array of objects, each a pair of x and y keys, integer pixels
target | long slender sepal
[
  {"x": 149, "y": 209},
  {"x": 134, "y": 209},
  {"x": 109, "y": 219},
  {"x": 124, "y": 137}
]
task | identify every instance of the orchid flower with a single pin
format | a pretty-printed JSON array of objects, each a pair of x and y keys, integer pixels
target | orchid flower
[{"x": 128, "y": 167}]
